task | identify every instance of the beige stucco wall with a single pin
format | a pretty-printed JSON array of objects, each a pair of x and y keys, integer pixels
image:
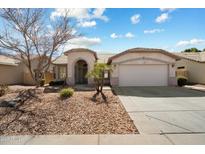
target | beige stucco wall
[
  {"x": 27, "y": 79},
  {"x": 196, "y": 70},
  {"x": 73, "y": 57},
  {"x": 142, "y": 59},
  {"x": 18, "y": 74},
  {"x": 11, "y": 74}
]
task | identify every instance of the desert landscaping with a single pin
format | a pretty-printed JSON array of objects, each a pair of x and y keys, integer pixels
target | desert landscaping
[{"x": 46, "y": 113}]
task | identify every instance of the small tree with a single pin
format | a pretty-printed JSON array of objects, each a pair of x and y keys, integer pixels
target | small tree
[
  {"x": 192, "y": 50},
  {"x": 97, "y": 74},
  {"x": 204, "y": 49}
]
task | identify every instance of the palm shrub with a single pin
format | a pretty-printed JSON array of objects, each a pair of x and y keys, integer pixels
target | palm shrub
[
  {"x": 97, "y": 74},
  {"x": 66, "y": 92}
]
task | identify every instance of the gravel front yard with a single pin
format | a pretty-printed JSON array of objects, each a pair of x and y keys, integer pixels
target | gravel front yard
[{"x": 48, "y": 114}]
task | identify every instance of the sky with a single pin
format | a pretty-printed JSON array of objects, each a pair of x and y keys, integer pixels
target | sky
[{"x": 115, "y": 30}]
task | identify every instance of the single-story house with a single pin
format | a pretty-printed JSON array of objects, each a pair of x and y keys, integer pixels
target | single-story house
[
  {"x": 133, "y": 67},
  {"x": 194, "y": 64}
]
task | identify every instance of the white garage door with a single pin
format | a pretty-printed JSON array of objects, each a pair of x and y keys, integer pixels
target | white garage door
[{"x": 143, "y": 75}]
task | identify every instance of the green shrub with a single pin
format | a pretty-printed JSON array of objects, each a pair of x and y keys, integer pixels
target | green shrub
[
  {"x": 3, "y": 89},
  {"x": 66, "y": 92},
  {"x": 181, "y": 81}
]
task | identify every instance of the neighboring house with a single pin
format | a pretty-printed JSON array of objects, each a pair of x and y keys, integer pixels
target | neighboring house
[
  {"x": 194, "y": 63},
  {"x": 13, "y": 71},
  {"x": 133, "y": 67},
  {"x": 10, "y": 70},
  {"x": 27, "y": 78}
]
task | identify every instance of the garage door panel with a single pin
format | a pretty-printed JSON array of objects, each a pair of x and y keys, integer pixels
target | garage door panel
[{"x": 143, "y": 75}]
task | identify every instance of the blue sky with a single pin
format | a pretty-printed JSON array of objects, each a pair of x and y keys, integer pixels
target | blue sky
[
  {"x": 181, "y": 25},
  {"x": 115, "y": 30}
]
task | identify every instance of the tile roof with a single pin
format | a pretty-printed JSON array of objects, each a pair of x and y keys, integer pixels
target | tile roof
[
  {"x": 103, "y": 57},
  {"x": 6, "y": 60},
  {"x": 149, "y": 50},
  {"x": 61, "y": 60},
  {"x": 194, "y": 56},
  {"x": 81, "y": 49}
]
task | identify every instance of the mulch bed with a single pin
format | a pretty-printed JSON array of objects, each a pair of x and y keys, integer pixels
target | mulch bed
[{"x": 48, "y": 114}]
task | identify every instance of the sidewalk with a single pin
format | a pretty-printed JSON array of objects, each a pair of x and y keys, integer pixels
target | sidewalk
[{"x": 84, "y": 140}]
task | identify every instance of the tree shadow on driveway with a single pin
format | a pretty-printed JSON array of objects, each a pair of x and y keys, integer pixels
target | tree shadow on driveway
[{"x": 158, "y": 92}]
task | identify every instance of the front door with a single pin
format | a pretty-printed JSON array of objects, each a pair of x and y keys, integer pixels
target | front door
[{"x": 81, "y": 69}]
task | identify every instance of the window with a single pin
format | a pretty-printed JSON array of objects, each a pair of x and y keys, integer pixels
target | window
[
  {"x": 62, "y": 72},
  {"x": 106, "y": 74},
  {"x": 181, "y": 67}
]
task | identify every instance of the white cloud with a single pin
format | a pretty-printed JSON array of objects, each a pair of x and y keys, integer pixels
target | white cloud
[
  {"x": 114, "y": 36},
  {"x": 167, "y": 9},
  {"x": 152, "y": 31},
  {"x": 162, "y": 18},
  {"x": 81, "y": 13},
  {"x": 74, "y": 31},
  {"x": 87, "y": 24},
  {"x": 129, "y": 35},
  {"x": 191, "y": 42},
  {"x": 82, "y": 42},
  {"x": 98, "y": 14},
  {"x": 135, "y": 19},
  {"x": 84, "y": 16}
]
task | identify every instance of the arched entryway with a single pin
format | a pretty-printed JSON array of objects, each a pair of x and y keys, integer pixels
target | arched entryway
[{"x": 81, "y": 69}]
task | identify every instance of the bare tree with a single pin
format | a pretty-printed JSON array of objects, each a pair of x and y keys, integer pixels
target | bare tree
[{"x": 29, "y": 32}]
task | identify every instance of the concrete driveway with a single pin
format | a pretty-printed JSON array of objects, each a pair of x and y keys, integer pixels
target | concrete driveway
[{"x": 174, "y": 112}]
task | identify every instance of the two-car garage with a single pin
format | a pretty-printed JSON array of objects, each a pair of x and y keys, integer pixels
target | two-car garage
[
  {"x": 143, "y": 67},
  {"x": 143, "y": 75}
]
